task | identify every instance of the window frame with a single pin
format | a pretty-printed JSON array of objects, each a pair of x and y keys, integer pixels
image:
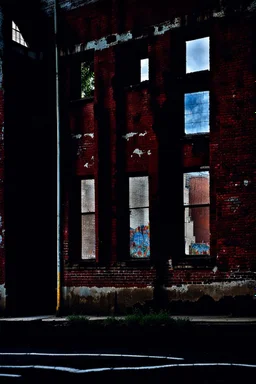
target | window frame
[
  {"x": 147, "y": 258},
  {"x": 195, "y": 134},
  {"x": 190, "y": 257},
  {"x": 76, "y": 74},
  {"x": 93, "y": 213},
  {"x": 17, "y": 36},
  {"x": 193, "y": 39}
]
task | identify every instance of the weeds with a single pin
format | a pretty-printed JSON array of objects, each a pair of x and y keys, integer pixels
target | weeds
[{"x": 78, "y": 318}]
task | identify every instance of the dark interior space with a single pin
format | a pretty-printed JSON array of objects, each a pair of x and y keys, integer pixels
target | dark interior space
[{"x": 30, "y": 180}]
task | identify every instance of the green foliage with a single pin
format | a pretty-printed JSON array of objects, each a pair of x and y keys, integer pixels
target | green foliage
[
  {"x": 78, "y": 318},
  {"x": 136, "y": 319},
  {"x": 87, "y": 80},
  {"x": 149, "y": 319}
]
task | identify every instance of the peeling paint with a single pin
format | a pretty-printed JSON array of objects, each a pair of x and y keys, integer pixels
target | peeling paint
[
  {"x": 89, "y": 134},
  {"x": 159, "y": 29},
  {"x": 86, "y": 165},
  {"x": 130, "y": 134},
  {"x": 143, "y": 134},
  {"x": 92, "y": 158},
  {"x": 78, "y": 136},
  {"x": 165, "y": 27},
  {"x": 215, "y": 269},
  {"x": 103, "y": 299},
  {"x": 216, "y": 290},
  {"x": 138, "y": 152},
  {"x": 149, "y": 152}
]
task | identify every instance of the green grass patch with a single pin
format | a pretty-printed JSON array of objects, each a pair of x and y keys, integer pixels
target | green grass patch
[{"x": 78, "y": 319}]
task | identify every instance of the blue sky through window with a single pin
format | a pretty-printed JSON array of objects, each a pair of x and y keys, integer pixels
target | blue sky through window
[
  {"x": 144, "y": 72},
  {"x": 197, "y": 55},
  {"x": 197, "y": 112}
]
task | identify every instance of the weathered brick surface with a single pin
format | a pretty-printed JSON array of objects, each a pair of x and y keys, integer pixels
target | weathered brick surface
[{"x": 152, "y": 112}]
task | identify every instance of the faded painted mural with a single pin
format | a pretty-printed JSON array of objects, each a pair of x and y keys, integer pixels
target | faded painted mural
[
  {"x": 139, "y": 217},
  {"x": 200, "y": 249},
  {"x": 140, "y": 241}
]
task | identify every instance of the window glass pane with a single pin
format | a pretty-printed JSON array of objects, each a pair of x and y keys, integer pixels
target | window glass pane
[
  {"x": 197, "y": 55},
  {"x": 87, "y": 196},
  {"x": 87, "y": 79},
  {"x": 138, "y": 192},
  {"x": 197, "y": 112},
  {"x": 144, "y": 71},
  {"x": 197, "y": 231},
  {"x": 139, "y": 233},
  {"x": 88, "y": 236},
  {"x": 196, "y": 188}
]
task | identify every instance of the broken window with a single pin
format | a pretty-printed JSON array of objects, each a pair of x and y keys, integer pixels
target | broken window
[
  {"x": 17, "y": 36},
  {"x": 144, "y": 70},
  {"x": 88, "y": 218},
  {"x": 197, "y": 55},
  {"x": 139, "y": 217},
  {"x": 196, "y": 200},
  {"x": 87, "y": 79},
  {"x": 197, "y": 112}
]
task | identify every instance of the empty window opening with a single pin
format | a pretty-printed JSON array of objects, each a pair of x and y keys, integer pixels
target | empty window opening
[
  {"x": 87, "y": 79},
  {"x": 17, "y": 36},
  {"x": 144, "y": 70},
  {"x": 197, "y": 112},
  {"x": 196, "y": 200},
  {"x": 139, "y": 217},
  {"x": 88, "y": 218},
  {"x": 197, "y": 55}
]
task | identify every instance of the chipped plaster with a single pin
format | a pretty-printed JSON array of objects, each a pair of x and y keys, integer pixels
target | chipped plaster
[
  {"x": 138, "y": 152},
  {"x": 129, "y": 135}
]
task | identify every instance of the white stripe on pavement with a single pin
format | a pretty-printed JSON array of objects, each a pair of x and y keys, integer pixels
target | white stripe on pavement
[
  {"x": 88, "y": 355},
  {"x": 75, "y": 370}
]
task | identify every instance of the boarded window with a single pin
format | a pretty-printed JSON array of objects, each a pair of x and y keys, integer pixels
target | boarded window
[
  {"x": 88, "y": 218},
  {"x": 17, "y": 36},
  {"x": 144, "y": 70},
  {"x": 197, "y": 55},
  {"x": 196, "y": 200},
  {"x": 139, "y": 217},
  {"x": 87, "y": 79},
  {"x": 197, "y": 112}
]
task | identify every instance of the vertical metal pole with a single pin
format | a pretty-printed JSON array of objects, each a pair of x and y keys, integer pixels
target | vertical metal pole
[{"x": 58, "y": 161}]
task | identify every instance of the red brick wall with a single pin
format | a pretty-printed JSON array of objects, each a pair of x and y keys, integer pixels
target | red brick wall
[{"x": 230, "y": 150}]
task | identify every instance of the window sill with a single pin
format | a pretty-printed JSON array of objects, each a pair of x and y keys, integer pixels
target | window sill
[
  {"x": 134, "y": 263},
  {"x": 193, "y": 136},
  {"x": 81, "y": 263},
  {"x": 133, "y": 87},
  {"x": 88, "y": 99},
  {"x": 200, "y": 262}
]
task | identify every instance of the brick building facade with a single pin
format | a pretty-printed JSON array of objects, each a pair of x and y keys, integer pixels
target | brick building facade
[{"x": 157, "y": 117}]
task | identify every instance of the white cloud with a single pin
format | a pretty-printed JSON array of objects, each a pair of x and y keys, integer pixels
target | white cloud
[{"x": 197, "y": 55}]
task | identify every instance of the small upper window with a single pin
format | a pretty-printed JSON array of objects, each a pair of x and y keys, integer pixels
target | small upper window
[
  {"x": 144, "y": 70},
  {"x": 197, "y": 112},
  {"x": 17, "y": 36},
  {"x": 197, "y": 55},
  {"x": 87, "y": 79}
]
